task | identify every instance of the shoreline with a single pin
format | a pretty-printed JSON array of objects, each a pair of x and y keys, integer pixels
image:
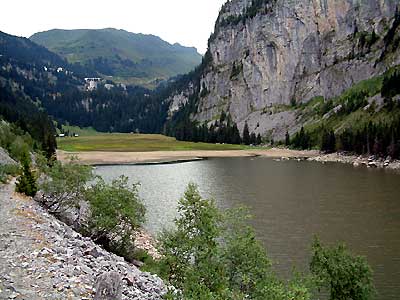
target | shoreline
[
  {"x": 99, "y": 158},
  {"x": 358, "y": 160}
]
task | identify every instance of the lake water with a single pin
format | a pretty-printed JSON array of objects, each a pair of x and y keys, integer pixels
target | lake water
[{"x": 291, "y": 202}]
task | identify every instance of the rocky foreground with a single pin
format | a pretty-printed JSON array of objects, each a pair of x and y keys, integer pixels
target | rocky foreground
[{"x": 42, "y": 258}]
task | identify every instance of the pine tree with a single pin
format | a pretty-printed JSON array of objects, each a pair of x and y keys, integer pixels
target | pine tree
[
  {"x": 26, "y": 182},
  {"x": 253, "y": 139},
  {"x": 246, "y": 134},
  {"x": 259, "y": 139},
  {"x": 287, "y": 139},
  {"x": 328, "y": 143},
  {"x": 236, "y": 139}
]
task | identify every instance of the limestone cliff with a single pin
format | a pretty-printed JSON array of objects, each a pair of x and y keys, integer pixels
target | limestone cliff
[{"x": 270, "y": 54}]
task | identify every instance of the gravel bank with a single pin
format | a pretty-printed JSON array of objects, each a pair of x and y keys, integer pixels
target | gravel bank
[
  {"x": 126, "y": 158},
  {"x": 358, "y": 161},
  {"x": 42, "y": 258}
]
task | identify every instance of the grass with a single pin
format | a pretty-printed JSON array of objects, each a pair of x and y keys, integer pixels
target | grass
[
  {"x": 125, "y": 142},
  {"x": 87, "y": 131}
]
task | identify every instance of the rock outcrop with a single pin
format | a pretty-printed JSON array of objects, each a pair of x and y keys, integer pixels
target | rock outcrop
[
  {"x": 5, "y": 158},
  {"x": 267, "y": 55}
]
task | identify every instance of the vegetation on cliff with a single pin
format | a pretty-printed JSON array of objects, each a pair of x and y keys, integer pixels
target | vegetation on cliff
[{"x": 355, "y": 122}]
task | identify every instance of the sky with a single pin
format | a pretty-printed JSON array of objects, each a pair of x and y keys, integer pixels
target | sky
[{"x": 188, "y": 22}]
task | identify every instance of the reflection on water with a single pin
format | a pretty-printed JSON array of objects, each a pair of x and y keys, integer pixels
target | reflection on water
[{"x": 291, "y": 201}]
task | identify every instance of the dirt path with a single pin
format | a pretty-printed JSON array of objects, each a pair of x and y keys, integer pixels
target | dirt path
[
  {"x": 19, "y": 244},
  {"x": 111, "y": 158}
]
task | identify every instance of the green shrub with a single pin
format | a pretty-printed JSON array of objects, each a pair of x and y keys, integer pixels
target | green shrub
[
  {"x": 115, "y": 213},
  {"x": 344, "y": 275},
  {"x": 19, "y": 148},
  {"x": 64, "y": 185},
  {"x": 214, "y": 255},
  {"x": 26, "y": 183},
  {"x": 8, "y": 170}
]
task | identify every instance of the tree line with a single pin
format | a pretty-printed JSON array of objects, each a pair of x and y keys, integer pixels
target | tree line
[
  {"x": 380, "y": 138},
  {"x": 223, "y": 131}
]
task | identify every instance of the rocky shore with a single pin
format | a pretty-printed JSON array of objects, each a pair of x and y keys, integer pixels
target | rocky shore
[
  {"x": 358, "y": 161},
  {"x": 42, "y": 258}
]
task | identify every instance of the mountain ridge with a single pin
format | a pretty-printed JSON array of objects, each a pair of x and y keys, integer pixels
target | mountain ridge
[
  {"x": 266, "y": 54},
  {"x": 121, "y": 55}
]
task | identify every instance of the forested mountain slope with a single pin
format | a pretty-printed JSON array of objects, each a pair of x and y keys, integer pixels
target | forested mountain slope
[
  {"x": 124, "y": 56},
  {"x": 33, "y": 79}
]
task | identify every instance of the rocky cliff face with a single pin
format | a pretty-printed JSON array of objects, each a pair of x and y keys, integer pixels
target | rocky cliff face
[{"x": 267, "y": 55}]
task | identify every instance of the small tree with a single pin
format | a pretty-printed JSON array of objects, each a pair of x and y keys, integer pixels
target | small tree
[
  {"x": 191, "y": 251},
  {"x": 64, "y": 186},
  {"x": 259, "y": 139},
  {"x": 346, "y": 276},
  {"x": 212, "y": 255},
  {"x": 253, "y": 139},
  {"x": 115, "y": 213},
  {"x": 328, "y": 141},
  {"x": 26, "y": 182},
  {"x": 287, "y": 139},
  {"x": 248, "y": 267}
]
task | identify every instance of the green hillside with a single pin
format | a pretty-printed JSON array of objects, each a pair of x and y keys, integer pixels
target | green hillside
[{"x": 127, "y": 57}]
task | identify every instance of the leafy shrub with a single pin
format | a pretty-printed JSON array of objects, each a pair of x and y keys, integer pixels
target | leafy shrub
[
  {"x": 26, "y": 182},
  {"x": 215, "y": 255},
  {"x": 346, "y": 276},
  {"x": 19, "y": 149},
  {"x": 7, "y": 170},
  {"x": 115, "y": 213},
  {"x": 64, "y": 186}
]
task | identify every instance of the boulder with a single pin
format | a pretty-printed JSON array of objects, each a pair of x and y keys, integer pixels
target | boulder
[
  {"x": 109, "y": 287},
  {"x": 5, "y": 158}
]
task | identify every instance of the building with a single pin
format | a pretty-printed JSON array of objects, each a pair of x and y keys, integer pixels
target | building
[{"x": 92, "y": 83}]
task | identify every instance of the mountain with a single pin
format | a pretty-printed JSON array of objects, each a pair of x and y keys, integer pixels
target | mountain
[
  {"x": 22, "y": 75},
  {"x": 280, "y": 65},
  {"x": 35, "y": 81},
  {"x": 124, "y": 56}
]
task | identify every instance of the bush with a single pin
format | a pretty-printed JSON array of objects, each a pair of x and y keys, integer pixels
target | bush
[
  {"x": 115, "y": 213},
  {"x": 346, "y": 276},
  {"x": 64, "y": 186},
  {"x": 214, "y": 255},
  {"x": 26, "y": 182},
  {"x": 8, "y": 170},
  {"x": 19, "y": 149}
]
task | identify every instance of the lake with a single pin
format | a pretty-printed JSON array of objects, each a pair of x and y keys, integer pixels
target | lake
[{"x": 291, "y": 202}]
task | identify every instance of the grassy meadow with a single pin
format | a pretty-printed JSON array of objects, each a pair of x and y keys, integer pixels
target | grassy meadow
[{"x": 125, "y": 142}]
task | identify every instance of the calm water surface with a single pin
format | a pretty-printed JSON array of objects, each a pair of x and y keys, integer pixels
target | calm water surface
[{"x": 291, "y": 202}]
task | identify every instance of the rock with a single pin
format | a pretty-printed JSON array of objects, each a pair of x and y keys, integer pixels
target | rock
[
  {"x": 93, "y": 252},
  {"x": 130, "y": 279},
  {"x": 109, "y": 287},
  {"x": 5, "y": 158},
  {"x": 291, "y": 50},
  {"x": 137, "y": 263}
]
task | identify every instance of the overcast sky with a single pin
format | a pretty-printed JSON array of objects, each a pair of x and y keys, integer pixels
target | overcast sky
[{"x": 188, "y": 22}]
